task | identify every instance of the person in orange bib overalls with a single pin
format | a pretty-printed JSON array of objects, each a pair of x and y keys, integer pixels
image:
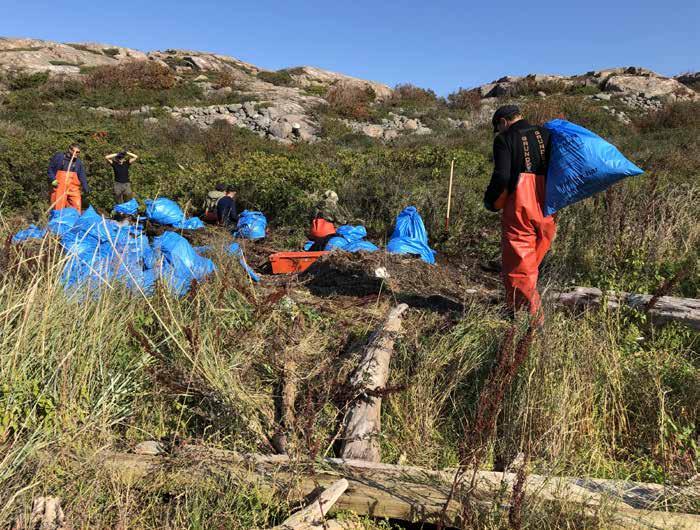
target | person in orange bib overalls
[
  {"x": 66, "y": 176},
  {"x": 517, "y": 187}
]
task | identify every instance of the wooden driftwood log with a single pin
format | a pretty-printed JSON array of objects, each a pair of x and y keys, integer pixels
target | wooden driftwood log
[
  {"x": 411, "y": 493},
  {"x": 665, "y": 308},
  {"x": 314, "y": 515},
  {"x": 363, "y": 421}
]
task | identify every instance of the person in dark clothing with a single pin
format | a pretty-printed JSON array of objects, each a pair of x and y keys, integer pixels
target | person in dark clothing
[
  {"x": 226, "y": 212},
  {"x": 517, "y": 187},
  {"x": 509, "y": 153},
  {"x": 121, "y": 162},
  {"x": 66, "y": 176}
]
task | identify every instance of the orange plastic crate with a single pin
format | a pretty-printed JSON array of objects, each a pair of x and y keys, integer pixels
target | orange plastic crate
[{"x": 288, "y": 262}]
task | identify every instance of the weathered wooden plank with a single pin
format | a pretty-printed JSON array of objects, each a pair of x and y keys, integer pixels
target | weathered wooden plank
[
  {"x": 665, "y": 309},
  {"x": 400, "y": 492}
]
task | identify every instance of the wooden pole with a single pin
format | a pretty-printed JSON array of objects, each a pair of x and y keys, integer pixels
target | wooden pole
[{"x": 449, "y": 195}]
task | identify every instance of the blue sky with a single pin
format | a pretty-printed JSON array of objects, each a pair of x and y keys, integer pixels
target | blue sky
[{"x": 438, "y": 44}]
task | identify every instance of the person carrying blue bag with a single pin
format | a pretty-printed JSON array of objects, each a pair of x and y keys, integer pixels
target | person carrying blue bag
[{"x": 517, "y": 188}]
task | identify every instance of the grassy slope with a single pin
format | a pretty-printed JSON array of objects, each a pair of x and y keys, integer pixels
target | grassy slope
[{"x": 78, "y": 377}]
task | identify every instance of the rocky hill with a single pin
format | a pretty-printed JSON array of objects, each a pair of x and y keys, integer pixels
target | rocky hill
[{"x": 281, "y": 105}]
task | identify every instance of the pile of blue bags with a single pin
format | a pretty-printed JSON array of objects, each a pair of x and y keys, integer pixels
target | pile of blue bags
[
  {"x": 410, "y": 236},
  {"x": 102, "y": 251},
  {"x": 251, "y": 225},
  {"x": 351, "y": 239},
  {"x": 581, "y": 164},
  {"x": 166, "y": 212}
]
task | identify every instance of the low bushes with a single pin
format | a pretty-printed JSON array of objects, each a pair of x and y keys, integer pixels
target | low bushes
[
  {"x": 350, "y": 100},
  {"x": 464, "y": 99},
  {"x": 408, "y": 95},
  {"x": 279, "y": 78},
  {"x": 135, "y": 74}
]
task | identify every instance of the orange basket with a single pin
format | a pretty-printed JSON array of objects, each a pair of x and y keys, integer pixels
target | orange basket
[{"x": 288, "y": 262}]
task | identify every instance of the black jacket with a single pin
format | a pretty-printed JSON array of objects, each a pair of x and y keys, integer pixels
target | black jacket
[
  {"x": 510, "y": 158},
  {"x": 226, "y": 211}
]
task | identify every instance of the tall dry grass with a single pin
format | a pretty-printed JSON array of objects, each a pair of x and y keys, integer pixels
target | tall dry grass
[{"x": 599, "y": 395}]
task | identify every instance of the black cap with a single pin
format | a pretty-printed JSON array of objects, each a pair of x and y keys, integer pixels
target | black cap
[{"x": 503, "y": 112}]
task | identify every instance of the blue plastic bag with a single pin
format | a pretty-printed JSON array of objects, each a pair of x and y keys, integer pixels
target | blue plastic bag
[
  {"x": 581, "y": 164},
  {"x": 350, "y": 239},
  {"x": 410, "y": 236},
  {"x": 32, "y": 232},
  {"x": 193, "y": 223},
  {"x": 352, "y": 233},
  {"x": 60, "y": 221},
  {"x": 181, "y": 264},
  {"x": 234, "y": 249},
  {"x": 164, "y": 211},
  {"x": 251, "y": 225},
  {"x": 360, "y": 246},
  {"x": 127, "y": 208}
]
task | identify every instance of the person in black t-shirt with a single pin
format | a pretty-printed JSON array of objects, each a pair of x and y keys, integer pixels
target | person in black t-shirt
[
  {"x": 121, "y": 162},
  {"x": 226, "y": 211}
]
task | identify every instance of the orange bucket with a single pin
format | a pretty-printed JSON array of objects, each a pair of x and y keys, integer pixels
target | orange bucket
[{"x": 288, "y": 262}]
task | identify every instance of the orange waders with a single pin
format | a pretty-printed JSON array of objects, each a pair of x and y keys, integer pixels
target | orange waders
[
  {"x": 526, "y": 238},
  {"x": 67, "y": 192}
]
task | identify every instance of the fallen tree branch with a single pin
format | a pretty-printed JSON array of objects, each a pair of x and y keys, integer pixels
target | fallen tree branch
[
  {"x": 403, "y": 492},
  {"x": 363, "y": 421},
  {"x": 314, "y": 514}
]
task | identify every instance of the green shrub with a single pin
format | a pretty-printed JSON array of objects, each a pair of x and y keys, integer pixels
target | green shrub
[
  {"x": 408, "y": 95},
  {"x": 316, "y": 90},
  {"x": 110, "y": 52},
  {"x": 84, "y": 48},
  {"x": 279, "y": 78},
  {"x": 64, "y": 63},
  {"x": 24, "y": 81}
]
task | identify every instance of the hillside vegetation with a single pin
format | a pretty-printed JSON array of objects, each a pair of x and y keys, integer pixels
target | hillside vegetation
[{"x": 602, "y": 394}]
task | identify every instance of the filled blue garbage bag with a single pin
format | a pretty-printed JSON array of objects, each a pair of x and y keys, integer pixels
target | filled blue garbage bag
[
  {"x": 166, "y": 212},
  {"x": 410, "y": 236},
  {"x": 138, "y": 249},
  {"x": 581, "y": 164},
  {"x": 234, "y": 249},
  {"x": 251, "y": 225},
  {"x": 131, "y": 273},
  {"x": 360, "y": 246},
  {"x": 193, "y": 223},
  {"x": 127, "y": 208},
  {"x": 31, "y": 232},
  {"x": 350, "y": 239},
  {"x": 60, "y": 221},
  {"x": 181, "y": 263}
]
